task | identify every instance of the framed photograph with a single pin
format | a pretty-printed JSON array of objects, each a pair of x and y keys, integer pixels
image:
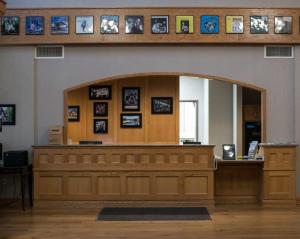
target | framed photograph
[
  {"x": 209, "y": 24},
  {"x": 73, "y": 113},
  {"x": 185, "y": 24},
  {"x": 100, "y": 109},
  {"x": 100, "y": 126},
  {"x": 109, "y": 24},
  {"x": 234, "y": 24},
  {"x": 59, "y": 25},
  {"x": 162, "y": 105},
  {"x": 160, "y": 24},
  {"x": 8, "y": 114},
  {"x": 10, "y": 25},
  {"x": 283, "y": 25},
  {"x": 34, "y": 25},
  {"x": 228, "y": 152},
  {"x": 134, "y": 24},
  {"x": 131, "y": 99},
  {"x": 84, "y": 25},
  {"x": 131, "y": 121},
  {"x": 259, "y": 24},
  {"x": 100, "y": 92}
]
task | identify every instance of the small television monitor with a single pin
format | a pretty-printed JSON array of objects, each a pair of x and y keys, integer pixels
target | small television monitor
[{"x": 228, "y": 151}]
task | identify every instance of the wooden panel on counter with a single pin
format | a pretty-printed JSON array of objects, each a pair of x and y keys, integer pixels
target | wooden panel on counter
[
  {"x": 238, "y": 182},
  {"x": 279, "y": 174},
  {"x": 222, "y": 37},
  {"x": 124, "y": 173}
]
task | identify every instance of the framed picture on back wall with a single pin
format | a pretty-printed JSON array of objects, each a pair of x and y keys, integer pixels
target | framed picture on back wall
[{"x": 131, "y": 99}]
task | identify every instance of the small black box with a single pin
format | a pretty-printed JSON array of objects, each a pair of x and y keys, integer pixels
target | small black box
[{"x": 15, "y": 158}]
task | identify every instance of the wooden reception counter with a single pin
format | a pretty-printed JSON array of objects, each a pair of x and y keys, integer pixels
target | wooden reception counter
[
  {"x": 124, "y": 173},
  {"x": 148, "y": 174}
]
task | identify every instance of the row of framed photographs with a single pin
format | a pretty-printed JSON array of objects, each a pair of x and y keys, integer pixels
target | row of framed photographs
[
  {"x": 209, "y": 24},
  {"x": 130, "y": 100},
  {"x": 159, "y": 105}
]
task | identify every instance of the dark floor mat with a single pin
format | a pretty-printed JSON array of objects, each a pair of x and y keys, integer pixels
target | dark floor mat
[{"x": 152, "y": 214}]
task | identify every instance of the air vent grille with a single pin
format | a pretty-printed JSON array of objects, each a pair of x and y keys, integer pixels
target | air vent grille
[
  {"x": 279, "y": 51},
  {"x": 46, "y": 52}
]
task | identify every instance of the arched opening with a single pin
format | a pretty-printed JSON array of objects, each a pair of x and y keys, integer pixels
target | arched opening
[{"x": 245, "y": 108}]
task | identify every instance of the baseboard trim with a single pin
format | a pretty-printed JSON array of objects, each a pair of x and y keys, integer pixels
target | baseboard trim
[
  {"x": 97, "y": 205},
  {"x": 279, "y": 203}
]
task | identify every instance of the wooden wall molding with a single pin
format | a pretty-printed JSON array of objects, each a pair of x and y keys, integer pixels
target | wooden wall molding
[
  {"x": 2, "y": 7},
  {"x": 147, "y": 37}
]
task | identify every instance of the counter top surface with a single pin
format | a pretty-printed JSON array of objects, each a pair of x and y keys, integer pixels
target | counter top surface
[
  {"x": 278, "y": 144},
  {"x": 121, "y": 145}
]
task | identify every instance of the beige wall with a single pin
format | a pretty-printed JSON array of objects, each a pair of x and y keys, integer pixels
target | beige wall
[{"x": 23, "y": 80}]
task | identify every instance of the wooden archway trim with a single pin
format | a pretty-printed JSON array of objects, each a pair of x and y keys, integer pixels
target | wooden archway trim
[{"x": 211, "y": 77}]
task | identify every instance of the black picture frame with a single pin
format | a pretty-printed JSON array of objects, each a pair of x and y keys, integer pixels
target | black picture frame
[
  {"x": 89, "y": 19},
  {"x": 131, "y": 120},
  {"x": 60, "y": 25},
  {"x": 259, "y": 24},
  {"x": 8, "y": 114},
  {"x": 131, "y": 99},
  {"x": 100, "y": 126},
  {"x": 100, "y": 92},
  {"x": 73, "y": 113},
  {"x": 162, "y": 105},
  {"x": 287, "y": 28},
  {"x": 106, "y": 26},
  {"x": 160, "y": 24},
  {"x": 134, "y": 24},
  {"x": 10, "y": 25},
  {"x": 100, "y": 109},
  {"x": 228, "y": 151}
]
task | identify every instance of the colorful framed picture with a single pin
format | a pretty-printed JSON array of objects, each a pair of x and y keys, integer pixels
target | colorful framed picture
[
  {"x": 10, "y": 25},
  {"x": 109, "y": 24},
  {"x": 160, "y": 24},
  {"x": 59, "y": 25},
  {"x": 259, "y": 24},
  {"x": 8, "y": 114},
  {"x": 100, "y": 92},
  {"x": 73, "y": 113},
  {"x": 134, "y": 24},
  {"x": 100, "y": 109},
  {"x": 131, "y": 120},
  {"x": 283, "y": 25},
  {"x": 84, "y": 24},
  {"x": 209, "y": 24},
  {"x": 34, "y": 25},
  {"x": 100, "y": 126},
  {"x": 131, "y": 99},
  {"x": 162, "y": 105},
  {"x": 234, "y": 24},
  {"x": 185, "y": 24}
]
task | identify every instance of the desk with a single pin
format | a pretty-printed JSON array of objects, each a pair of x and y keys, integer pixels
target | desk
[
  {"x": 238, "y": 181},
  {"x": 21, "y": 172}
]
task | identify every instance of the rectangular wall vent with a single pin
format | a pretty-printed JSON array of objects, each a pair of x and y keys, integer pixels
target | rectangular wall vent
[
  {"x": 278, "y": 51},
  {"x": 49, "y": 52}
]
